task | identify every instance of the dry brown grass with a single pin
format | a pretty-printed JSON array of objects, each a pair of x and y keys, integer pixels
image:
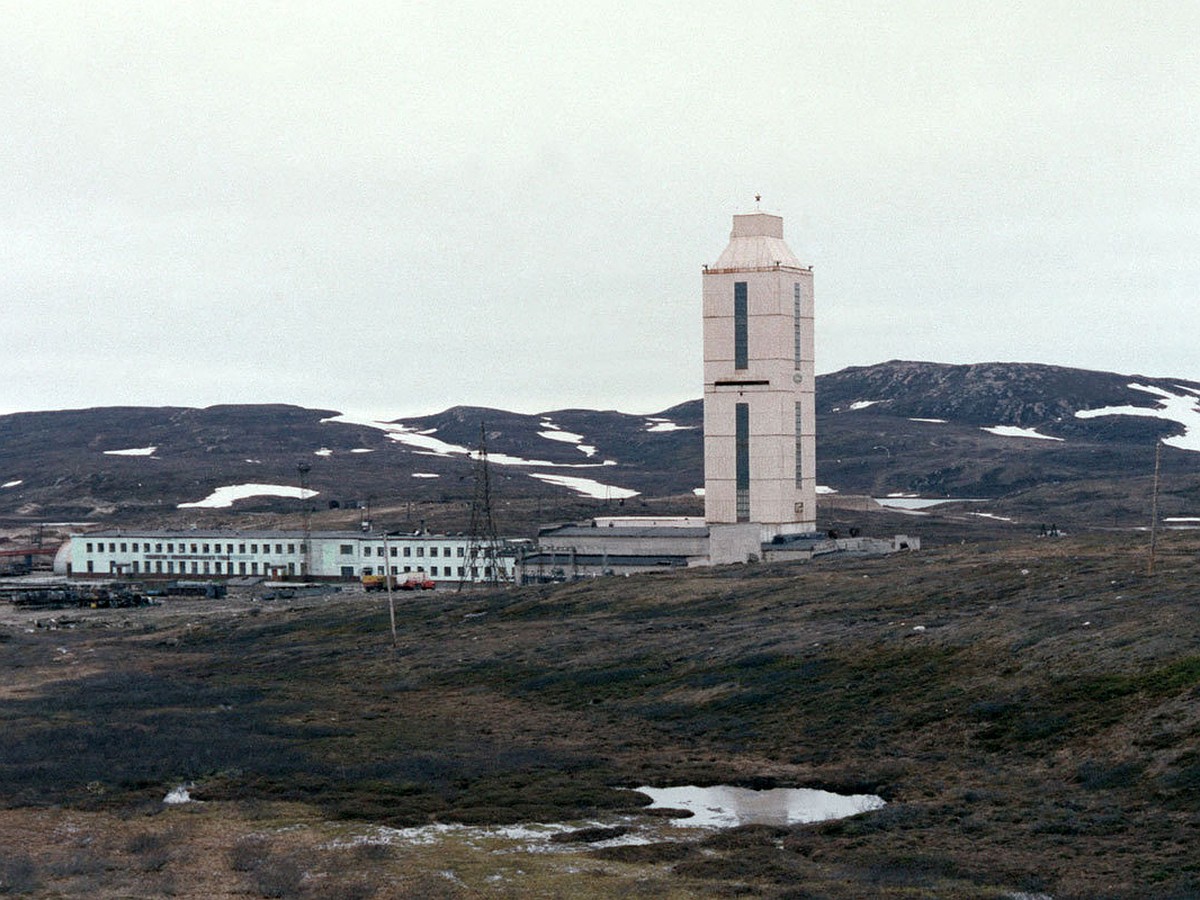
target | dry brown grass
[{"x": 1037, "y": 735}]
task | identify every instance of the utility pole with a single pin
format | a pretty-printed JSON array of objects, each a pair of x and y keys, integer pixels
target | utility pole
[
  {"x": 387, "y": 581},
  {"x": 1154, "y": 507},
  {"x": 306, "y": 549}
]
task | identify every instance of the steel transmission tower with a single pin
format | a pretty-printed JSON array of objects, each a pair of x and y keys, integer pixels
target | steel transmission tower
[{"x": 484, "y": 562}]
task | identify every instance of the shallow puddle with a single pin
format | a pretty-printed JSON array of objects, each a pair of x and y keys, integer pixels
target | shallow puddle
[{"x": 724, "y": 806}]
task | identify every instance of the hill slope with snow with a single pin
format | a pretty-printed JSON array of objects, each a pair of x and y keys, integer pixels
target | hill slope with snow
[{"x": 1030, "y": 439}]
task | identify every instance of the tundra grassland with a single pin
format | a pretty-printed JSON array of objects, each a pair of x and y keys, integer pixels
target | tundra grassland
[{"x": 1029, "y": 708}]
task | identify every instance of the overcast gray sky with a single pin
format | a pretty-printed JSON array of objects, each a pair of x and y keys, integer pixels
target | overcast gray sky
[{"x": 394, "y": 207}]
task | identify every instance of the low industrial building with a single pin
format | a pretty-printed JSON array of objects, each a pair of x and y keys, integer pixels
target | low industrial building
[
  {"x": 284, "y": 555},
  {"x": 617, "y": 545},
  {"x": 625, "y": 545}
]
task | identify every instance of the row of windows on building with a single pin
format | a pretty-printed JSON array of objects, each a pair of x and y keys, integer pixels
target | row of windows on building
[
  {"x": 741, "y": 447},
  {"x": 127, "y": 547},
  {"x": 409, "y": 550},
  {"x": 204, "y": 567},
  {"x": 797, "y": 330},
  {"x": 432, "y": 572},
  {"x": 217, "y": 567}
]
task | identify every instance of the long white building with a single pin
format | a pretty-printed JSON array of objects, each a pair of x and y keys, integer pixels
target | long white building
[{"x": 220, "y": 553}]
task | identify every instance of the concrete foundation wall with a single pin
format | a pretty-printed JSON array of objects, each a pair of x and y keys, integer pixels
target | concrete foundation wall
[{"x": 734, "y": 543}]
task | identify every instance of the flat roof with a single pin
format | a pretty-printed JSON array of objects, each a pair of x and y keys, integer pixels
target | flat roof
[
  {"x": 643, "y": 531},
  {"x": 226, "y": 533}
]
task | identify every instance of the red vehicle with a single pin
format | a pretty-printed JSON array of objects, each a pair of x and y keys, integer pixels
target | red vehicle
[{"x": 419, "y": 583}]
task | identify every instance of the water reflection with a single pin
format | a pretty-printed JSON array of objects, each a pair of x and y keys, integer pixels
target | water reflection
[{"x": 724, "y": 806}]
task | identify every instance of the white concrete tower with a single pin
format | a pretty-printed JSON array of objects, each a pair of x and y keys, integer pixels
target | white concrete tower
[{"x": 759, "y": 420}]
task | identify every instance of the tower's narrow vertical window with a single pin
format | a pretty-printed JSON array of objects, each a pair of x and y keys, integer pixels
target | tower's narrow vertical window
[
  {"x": 742, "y": 460},
  {"x": 797, "y": 334},
  {"x": 741, "y": 346},
  {"x": 799, "y": 444}
]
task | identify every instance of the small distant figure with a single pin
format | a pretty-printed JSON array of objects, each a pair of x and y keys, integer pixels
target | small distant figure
[
  {"x": 1054, "y": 531},
  {"x": 1043, "y": 532}
]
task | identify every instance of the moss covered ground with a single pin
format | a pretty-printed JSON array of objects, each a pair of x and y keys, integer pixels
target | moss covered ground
[{"x": 1028, "y": 708}]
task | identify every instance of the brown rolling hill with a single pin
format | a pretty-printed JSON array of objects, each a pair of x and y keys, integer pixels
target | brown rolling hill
[{"x": 895, "y": 428}]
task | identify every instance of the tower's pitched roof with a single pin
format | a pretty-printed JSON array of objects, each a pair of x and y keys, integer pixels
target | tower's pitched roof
[{"x": 755, "y": 242}]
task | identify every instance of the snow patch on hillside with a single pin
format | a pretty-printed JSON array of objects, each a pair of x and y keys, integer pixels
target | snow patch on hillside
[
  {"x": 9, "y": 484},
  {"x": 1018, "y": 432},
  {"x": 426, "y": 444},
  {"x": 324, "y": 451},
  {"x": 132, "y": 451},
  {"x": 567, "y": 437},
  {"x": 225, "y": 496},
  {"x": 657, "y": 425},
  {"x": 933, "y": 421},
  {"x": 862, "y": 404},
  {"x": 1181, "y": 408},
  {"x": 586, "y": 486},
  {"x": 426, "y": 475}
]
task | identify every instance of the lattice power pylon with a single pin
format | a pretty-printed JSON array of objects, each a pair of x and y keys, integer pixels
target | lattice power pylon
[{"x": 484, "y": 562}]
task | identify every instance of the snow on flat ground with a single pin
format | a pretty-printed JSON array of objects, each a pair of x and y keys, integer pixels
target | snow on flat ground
[
  {"x": 225, "y": 496},
  {"x": 324, "y": 451},
  {"x": 991, "y": 516},
  {"x": 1018, "y": 432},
  {"x": 935, "y": 421},
  {"x": 12, "y": 483},
  {"x": 825, "y": 489},
  {"x": 426, "y": 475},
  {"x": 1183, "y": 408},
  {"x": 920, "y": 502},
  {"x": 362, "y": 450},
  {"x": 1182, "y": 519},
  {"x": 178, "y": 794},
  {"x": 424, "y": 442},
  {"x": 132, "y": 451},
  {"x": 586, "y": 486},
  {"x": 699, "y": 492}
]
